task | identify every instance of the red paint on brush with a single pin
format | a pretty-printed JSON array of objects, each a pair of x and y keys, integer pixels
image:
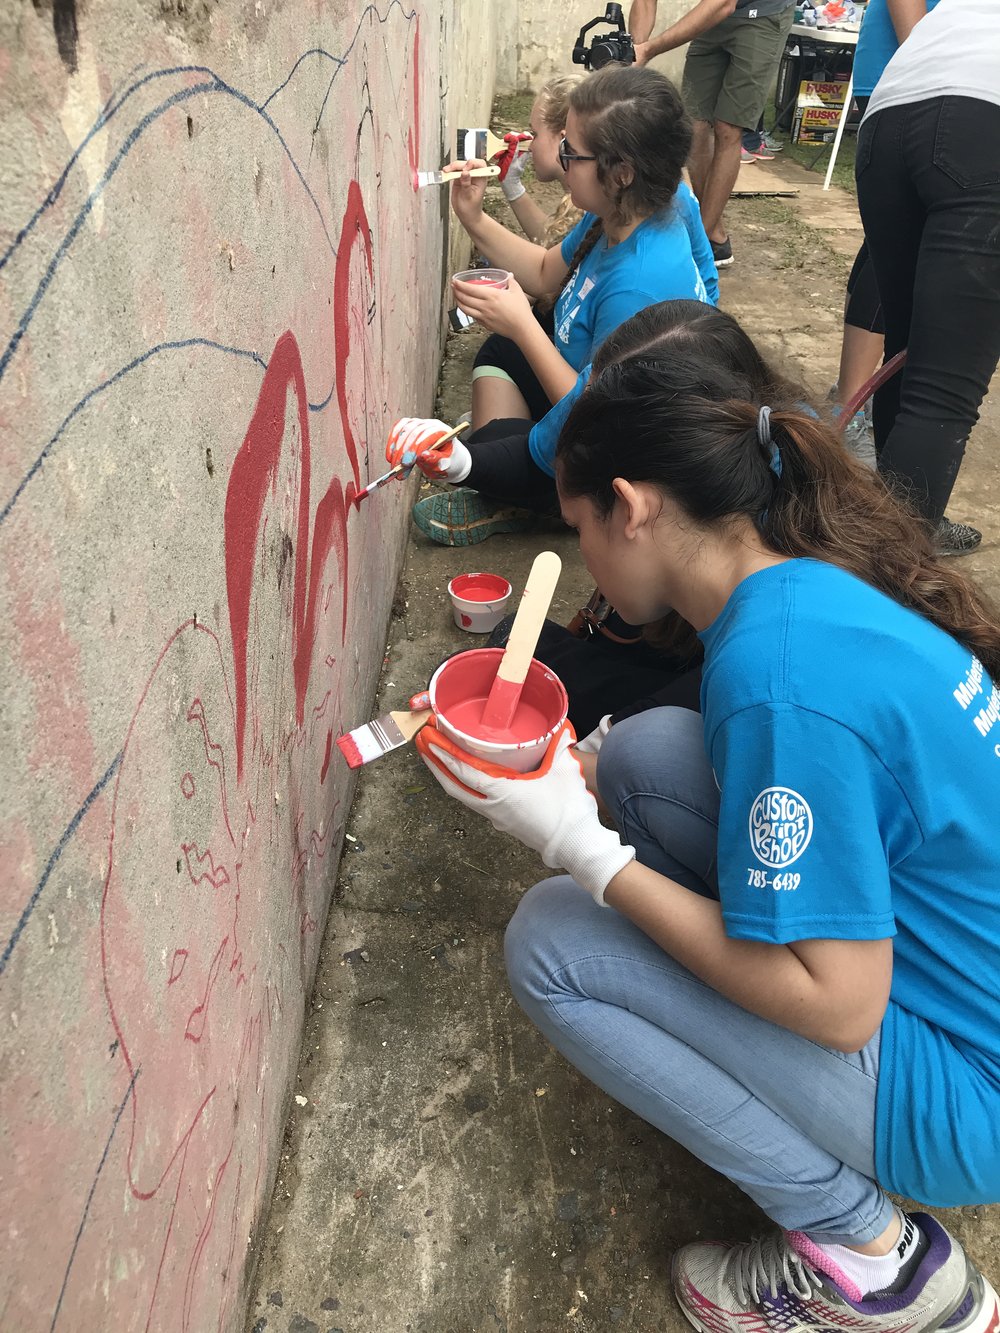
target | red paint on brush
[
  {"x": 479, "y": 587},
  {"x": 350, "y": 751}
]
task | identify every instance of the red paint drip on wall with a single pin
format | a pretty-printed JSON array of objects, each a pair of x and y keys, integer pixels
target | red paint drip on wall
[
  {"x": 355, "y": 228},
  {"x": 254, "y": 472},
  {"x": 413, "y": 133}
]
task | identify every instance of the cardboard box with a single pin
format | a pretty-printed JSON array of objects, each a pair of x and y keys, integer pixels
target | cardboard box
[{"x": 817, "y": 111}]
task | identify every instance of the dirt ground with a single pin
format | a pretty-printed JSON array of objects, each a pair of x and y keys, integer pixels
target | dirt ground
[{"x": 444, "y": 1171}]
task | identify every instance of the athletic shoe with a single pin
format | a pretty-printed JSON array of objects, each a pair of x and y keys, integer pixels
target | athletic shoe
[
  {"x": 462, "y": 517},
  {"x": 761, "y": 154},
  {"x": 860, "y": 440},
  {"x": 746, "y": 156},
  {"x": 722, "y": 252},
  {"x": 957, "y": 538},
  {"x": 784, "y": 1283},
  {"x": 771, "y": 141}
]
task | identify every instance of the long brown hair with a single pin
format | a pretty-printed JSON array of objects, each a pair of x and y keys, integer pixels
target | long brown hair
[
  {"x": 633, "y": 117},
  {"x": 688, "y": 423}
]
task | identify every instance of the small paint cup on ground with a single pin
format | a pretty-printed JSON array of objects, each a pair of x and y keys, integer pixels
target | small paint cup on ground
[
  {"x": 479, "y": 601},
  {"x": 459, "y": 689}
]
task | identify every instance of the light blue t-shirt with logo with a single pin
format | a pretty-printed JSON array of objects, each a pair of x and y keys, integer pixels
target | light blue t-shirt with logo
[
  {"x": 654, "y": 263},
  {"x": 700, "y": 286},
  {"x": 857, "y": 751}
]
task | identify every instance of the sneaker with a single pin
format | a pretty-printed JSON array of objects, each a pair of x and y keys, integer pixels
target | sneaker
[
  {"x": 957, "y": 538},
  {"x": 783, "y": 1283},
  {"x": 746, "y": 156},
  {"x": 763, "y": 153},
  {"x": 463, "y": 517},
  {"x": 722, "y": 252},
  {"x": 771, "y": 142},
  {"x": 860, "y": 440}
]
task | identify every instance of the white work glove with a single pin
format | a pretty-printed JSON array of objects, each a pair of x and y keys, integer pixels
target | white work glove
[
  {"x": 592, "y": 742},
  {"x": 512, "y": 163},
  {"x": 412, "y": 441},
  {"x": 549, "y": 810}
]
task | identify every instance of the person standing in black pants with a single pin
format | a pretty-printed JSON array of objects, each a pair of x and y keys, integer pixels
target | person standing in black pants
[{"x": 928, "y": 175}]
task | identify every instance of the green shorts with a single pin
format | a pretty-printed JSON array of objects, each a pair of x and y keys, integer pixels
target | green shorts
[{"x": 729, "y": 70}]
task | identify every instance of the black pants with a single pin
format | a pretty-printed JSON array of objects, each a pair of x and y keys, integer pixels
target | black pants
[
  {"x": 864, "y": 305},
  {"x": 928, "y": 178},
  {"x": 504, "y": 470}
]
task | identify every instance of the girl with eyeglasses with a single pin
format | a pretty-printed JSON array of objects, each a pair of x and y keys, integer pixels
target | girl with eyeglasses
[
  {"x": 784, "y": 954},
  {"x": 640, "y": 241}
]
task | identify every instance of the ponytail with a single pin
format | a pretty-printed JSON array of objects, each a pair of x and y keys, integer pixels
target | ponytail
[
  {"x": 830, "y": 507},
  {"x": 690, "y": 424}
]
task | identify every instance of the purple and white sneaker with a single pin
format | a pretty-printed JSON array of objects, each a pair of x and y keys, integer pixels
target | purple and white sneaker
[{"x": 784, "y": 1283}]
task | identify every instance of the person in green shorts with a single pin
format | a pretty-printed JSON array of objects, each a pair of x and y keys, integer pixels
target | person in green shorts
[{"x": 735, "y": 46}]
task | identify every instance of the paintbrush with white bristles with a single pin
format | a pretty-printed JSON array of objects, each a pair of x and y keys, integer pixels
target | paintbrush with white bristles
[
  {"x": 446, "y": 177},
  {"x": 385, "y": 733}
]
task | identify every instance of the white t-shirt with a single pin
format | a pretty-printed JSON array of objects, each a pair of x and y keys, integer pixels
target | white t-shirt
[{"x": 953, "y": 52}]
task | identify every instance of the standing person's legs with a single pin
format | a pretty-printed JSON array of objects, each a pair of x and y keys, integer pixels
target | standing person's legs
[
  {"x": 721, "y": 179},
  {"x": 754, "y": 47},
  {"x": 717, "y": 1079},
  {"x": 700, "y": 161},
  {"x": 929, "y": 185},
  {"x": 864, "y": 338},
  {"x": 705, "y": 67}
]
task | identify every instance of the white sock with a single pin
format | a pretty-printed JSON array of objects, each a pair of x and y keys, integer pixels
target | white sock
[{"x": 876, "y": 1272}]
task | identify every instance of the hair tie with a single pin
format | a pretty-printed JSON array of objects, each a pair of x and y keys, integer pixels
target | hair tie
[{"x": 766, "y": 442}]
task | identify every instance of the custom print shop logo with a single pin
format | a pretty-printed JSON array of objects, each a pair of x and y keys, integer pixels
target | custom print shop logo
[{"x": 781, "y": 825}]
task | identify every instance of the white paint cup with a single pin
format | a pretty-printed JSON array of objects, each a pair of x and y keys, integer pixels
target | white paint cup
[
  {"x": 469, "y": 676},
  {"x": 479, "y": 601}
]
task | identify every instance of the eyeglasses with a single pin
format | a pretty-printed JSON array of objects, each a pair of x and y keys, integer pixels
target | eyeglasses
[{"x": 566, "y": 157}]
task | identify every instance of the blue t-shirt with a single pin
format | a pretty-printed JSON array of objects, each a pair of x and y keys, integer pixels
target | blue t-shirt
[
  {"x": 654, "y": 263},
  {"x": 857, "y": 751},
  {"x": 877, "y": 45},
  {"x": 545, "y": 434}
]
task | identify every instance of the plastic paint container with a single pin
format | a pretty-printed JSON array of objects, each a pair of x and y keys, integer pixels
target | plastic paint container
[
  {"x": 479, "y": 601},
  {"x": 459, "y": 689},
  {"x": 488, "y": 277}
]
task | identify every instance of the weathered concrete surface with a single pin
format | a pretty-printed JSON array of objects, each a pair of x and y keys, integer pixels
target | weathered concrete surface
[
  {"x": 537, "y": 37},
  {"x": 444, "y": 1171},
  {"x": 217, "y": 287}
]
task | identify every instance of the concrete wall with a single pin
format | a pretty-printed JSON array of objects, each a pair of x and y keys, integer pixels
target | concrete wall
[
  {"x": 537, "y": 38},
  {"x": 217, "y": 288}
]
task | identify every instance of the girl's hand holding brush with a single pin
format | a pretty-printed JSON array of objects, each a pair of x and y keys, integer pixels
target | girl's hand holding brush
[{"x": 431, "y": 446}]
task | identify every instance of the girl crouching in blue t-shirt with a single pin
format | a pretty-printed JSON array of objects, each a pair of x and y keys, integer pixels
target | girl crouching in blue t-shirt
[{"x": 786, "y": 955}]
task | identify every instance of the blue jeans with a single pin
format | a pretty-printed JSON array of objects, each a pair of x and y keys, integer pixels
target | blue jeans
[{"x": 790, "y": 1122}]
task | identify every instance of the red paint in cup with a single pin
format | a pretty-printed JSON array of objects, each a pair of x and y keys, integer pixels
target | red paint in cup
[
  {"x": 479, "y": 601},
  {"x": 485, "y": 277},
  {"x": 459, "y": 689}
]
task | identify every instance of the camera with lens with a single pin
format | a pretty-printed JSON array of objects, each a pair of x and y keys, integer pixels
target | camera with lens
[{"x": 608, "y": 47}]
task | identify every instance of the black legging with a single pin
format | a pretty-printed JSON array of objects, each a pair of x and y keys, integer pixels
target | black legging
[
  {"x": 504, "y": 470},
  {"x": 929, "y": 192},
  {"x": 864, "y": 306}
]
